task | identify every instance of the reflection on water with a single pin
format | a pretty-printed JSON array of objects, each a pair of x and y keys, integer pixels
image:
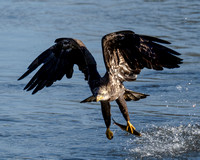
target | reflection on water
[{"x": 54, "y": 125}]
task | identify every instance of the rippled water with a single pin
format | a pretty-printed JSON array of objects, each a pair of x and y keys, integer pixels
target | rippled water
[{"x": 54, "y": 125}]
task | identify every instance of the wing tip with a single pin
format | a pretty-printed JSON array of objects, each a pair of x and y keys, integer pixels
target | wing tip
[
  {"x": 34, "y": 92},
  {"x": 23, "y": 76},
  {"x": 20, "y": 78},
  {"x": 155, "y": 39}
]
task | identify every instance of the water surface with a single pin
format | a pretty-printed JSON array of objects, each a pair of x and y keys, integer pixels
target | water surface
[{"x": 54, "y": 125}]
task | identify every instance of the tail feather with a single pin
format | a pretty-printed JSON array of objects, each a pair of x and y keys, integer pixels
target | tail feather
[
  {"x": 89, "y": 99},
  {"x": 128, "y": 96},
  {"x": 135, "y": 96}
]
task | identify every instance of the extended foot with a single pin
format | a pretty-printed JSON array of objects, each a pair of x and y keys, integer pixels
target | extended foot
[
  {"x": 131, "y": 129},
  {"x": 109, "y": 134}
]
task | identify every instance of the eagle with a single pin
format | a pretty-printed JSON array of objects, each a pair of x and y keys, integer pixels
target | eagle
[{"x": 125, "y": 54}]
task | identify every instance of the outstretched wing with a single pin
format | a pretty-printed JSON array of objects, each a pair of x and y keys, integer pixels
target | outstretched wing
[
  {"x": 58, "y": 61},
  {"x": 126, "y": 53}
]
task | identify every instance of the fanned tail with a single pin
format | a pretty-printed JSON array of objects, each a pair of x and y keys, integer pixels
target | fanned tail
[{"x": 135, "y": 96}]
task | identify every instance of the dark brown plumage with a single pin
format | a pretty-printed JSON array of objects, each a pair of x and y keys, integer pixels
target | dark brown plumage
[{"x": 125, "y": 54}]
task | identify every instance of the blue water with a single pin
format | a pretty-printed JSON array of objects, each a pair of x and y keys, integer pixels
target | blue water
[{"x": 54, "y": 125}]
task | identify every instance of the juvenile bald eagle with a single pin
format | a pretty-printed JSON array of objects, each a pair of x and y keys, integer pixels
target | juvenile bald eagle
[{"x": 125, "y": 54}]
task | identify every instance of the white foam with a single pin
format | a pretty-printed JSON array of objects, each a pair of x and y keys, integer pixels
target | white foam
[{"x": 166, "y": 141}]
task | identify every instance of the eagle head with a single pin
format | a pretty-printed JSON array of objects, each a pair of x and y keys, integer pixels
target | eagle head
[{"x": 102, "y": 94}]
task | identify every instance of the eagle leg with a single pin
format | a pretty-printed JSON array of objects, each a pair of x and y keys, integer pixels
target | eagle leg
[
  {"x": 105, "y": 108},
  {"x": 124, "y": 110}
]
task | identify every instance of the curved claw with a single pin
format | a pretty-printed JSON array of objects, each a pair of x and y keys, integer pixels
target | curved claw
[
  {"x": 129, "y": 128},
  {"x": 109, "y": 134}
]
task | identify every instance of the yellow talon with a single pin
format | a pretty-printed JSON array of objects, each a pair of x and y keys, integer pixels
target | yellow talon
[
  {"x": 129, "y": 128},
  {"x": 129, "y": 125},
  {"x": 109, "y": 134}
]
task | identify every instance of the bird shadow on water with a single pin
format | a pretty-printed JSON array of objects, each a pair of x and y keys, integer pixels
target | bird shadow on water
[{"x": 166, "y": 142}]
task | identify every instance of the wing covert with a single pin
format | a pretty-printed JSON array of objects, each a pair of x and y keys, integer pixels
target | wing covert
[{"x": 126, "y": 53}]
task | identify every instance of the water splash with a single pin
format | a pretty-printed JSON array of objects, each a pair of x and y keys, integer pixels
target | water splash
[
  {"x": 179, "y": 87},
  {"x": 166, "y": 141}
]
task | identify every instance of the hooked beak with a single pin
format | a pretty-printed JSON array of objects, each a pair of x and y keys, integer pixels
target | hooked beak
[{"x": 99, "y": 98}]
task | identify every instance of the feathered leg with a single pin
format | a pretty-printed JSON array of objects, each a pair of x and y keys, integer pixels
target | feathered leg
[
  {"x": 105, "y": 108},
  {"x": 124, "y": 110}
]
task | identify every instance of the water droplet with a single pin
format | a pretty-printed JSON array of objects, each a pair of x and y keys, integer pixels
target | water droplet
[{"x": 179, "y": 87}]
